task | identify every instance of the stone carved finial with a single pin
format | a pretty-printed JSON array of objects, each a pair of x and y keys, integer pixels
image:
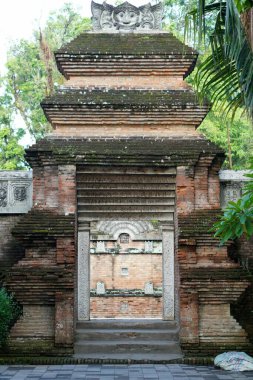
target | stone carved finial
[{"x": 126, "y": 17}]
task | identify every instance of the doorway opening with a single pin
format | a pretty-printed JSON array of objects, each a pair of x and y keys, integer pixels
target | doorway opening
[{"x": 126, "y": 270}]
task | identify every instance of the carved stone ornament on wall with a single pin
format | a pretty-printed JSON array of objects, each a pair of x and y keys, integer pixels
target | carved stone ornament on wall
[
  {"x": 15, "y": 191},
  {"x": 20, "y": 193},
  {"x": 3, "y": 194},
  {"x": 126, "y": 17}
]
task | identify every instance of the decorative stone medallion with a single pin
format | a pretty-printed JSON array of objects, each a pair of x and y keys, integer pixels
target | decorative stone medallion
[
  {"x": 126, "y": 17},
  {"x": 20, "y": 193},
  {"x": 3, "y": 194}
]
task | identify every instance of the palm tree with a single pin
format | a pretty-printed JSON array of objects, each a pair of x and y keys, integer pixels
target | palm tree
[{"x": 226, "y": 75}]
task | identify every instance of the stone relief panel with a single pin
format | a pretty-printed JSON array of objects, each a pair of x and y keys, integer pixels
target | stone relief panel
[
  {"x": 231, "y": 185},
  {"x": 3, "y": 193},
  {"x": 126, "y": 17},
  {"x": 15, "y": 192},
  {"x": 231, "y": 192}
]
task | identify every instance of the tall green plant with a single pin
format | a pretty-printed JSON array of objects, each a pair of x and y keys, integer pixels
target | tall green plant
[
  {"x": 226, "y": 75},
  {"x": 9, "y": 312}
]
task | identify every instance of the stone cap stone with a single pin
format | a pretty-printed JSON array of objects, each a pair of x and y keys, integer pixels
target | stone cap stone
[
  {"x": 16, "y": 174},
  {"x": 234, "y": 175}
]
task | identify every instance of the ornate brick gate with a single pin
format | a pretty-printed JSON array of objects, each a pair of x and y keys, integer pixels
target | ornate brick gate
[{"x": 124, "y": 109}]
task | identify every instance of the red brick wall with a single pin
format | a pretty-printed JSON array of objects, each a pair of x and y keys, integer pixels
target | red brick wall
[
  {"x": 54, "y": 187},
  {"x": 141, "y": 268},
  {"x": 123, "y": 307}
]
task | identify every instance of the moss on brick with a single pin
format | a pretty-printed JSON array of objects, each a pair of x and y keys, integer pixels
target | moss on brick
[
  {"x": 141, "y": 44},
  {"x": 161, "y": 152},
  {"x": 135, "y": 99}
]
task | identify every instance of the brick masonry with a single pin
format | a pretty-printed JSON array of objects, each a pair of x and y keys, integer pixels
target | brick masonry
[
  {"x": 122, "y": 307},
  {"x": 43, "y": 272},
  {"x": 141, "y": 269},
  {"x": 10, "y": 250}
]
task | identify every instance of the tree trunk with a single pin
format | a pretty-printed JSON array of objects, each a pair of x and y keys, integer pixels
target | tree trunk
[
  {"x": 230, "y": 163},
  {"x": 47, "y": 57},
  {"x": 247, "y": 21}
]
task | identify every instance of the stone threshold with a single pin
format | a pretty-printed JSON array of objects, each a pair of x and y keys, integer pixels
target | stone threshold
[
  {"x": 125, "y": 293},
  {"x": 40, "y": 360}
]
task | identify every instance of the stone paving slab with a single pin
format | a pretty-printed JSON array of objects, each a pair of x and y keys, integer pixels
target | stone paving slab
[{"x": 119, "y": 372}]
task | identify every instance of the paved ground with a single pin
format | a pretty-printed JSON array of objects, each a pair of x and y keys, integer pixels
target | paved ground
[{"x": 119, "y": 372}]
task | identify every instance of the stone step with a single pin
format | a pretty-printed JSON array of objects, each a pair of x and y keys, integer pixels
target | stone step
[
  {"x": 128, "y": 334},
  {"x": 126, "y": 324},
  {"x": 153, "y": 357},
  {"x": 123, "y": 346},
  {"x": 133, "y": 339}
]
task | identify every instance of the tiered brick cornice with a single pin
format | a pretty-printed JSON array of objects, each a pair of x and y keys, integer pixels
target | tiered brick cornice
[
  {"x": 114, "y": 108},
  {"x": 40, "y": 225},
  {"x": 197, "y": 226},
  {"x": 118, "y": 54},
  {"x": 126, "y": 152}
]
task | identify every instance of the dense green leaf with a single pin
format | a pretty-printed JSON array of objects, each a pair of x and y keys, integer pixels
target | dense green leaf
[{"x": 9, "y": 312}]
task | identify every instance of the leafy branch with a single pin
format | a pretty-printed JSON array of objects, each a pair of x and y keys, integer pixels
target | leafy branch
[
  {"x": 226, "y": 75},
  {"x": 237, "y": 219}
]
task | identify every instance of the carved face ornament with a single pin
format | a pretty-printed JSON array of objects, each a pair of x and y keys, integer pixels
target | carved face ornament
[{"x": 126, "y": 17}]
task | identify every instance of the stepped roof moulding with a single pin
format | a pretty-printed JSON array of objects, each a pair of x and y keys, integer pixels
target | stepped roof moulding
[
  {"x": 159, "y": 152},
  {"x": 123, "y": 54}
]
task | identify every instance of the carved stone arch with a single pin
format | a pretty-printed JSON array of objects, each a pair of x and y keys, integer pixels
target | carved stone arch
[{"x": 133, "y": 228}]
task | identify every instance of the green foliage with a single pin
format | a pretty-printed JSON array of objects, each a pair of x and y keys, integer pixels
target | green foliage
[
  {"x": 31, "y": 70},
  {"x": 63, "y": 25},
  {"x": 226, "y": 75},
  {"x": 11, "y": 151},
  {"x": 25, "y": 82},
  {"x": 215, "y": 127},
  {"x": 9, "y": 312},
  {"x": 237, "y": 219},
  {"x": 243, "y": 5}
]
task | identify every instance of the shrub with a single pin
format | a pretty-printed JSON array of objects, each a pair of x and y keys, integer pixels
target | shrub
[
  {"x": 237, "y": 219},
  {"x": 9, "y": 312}
]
